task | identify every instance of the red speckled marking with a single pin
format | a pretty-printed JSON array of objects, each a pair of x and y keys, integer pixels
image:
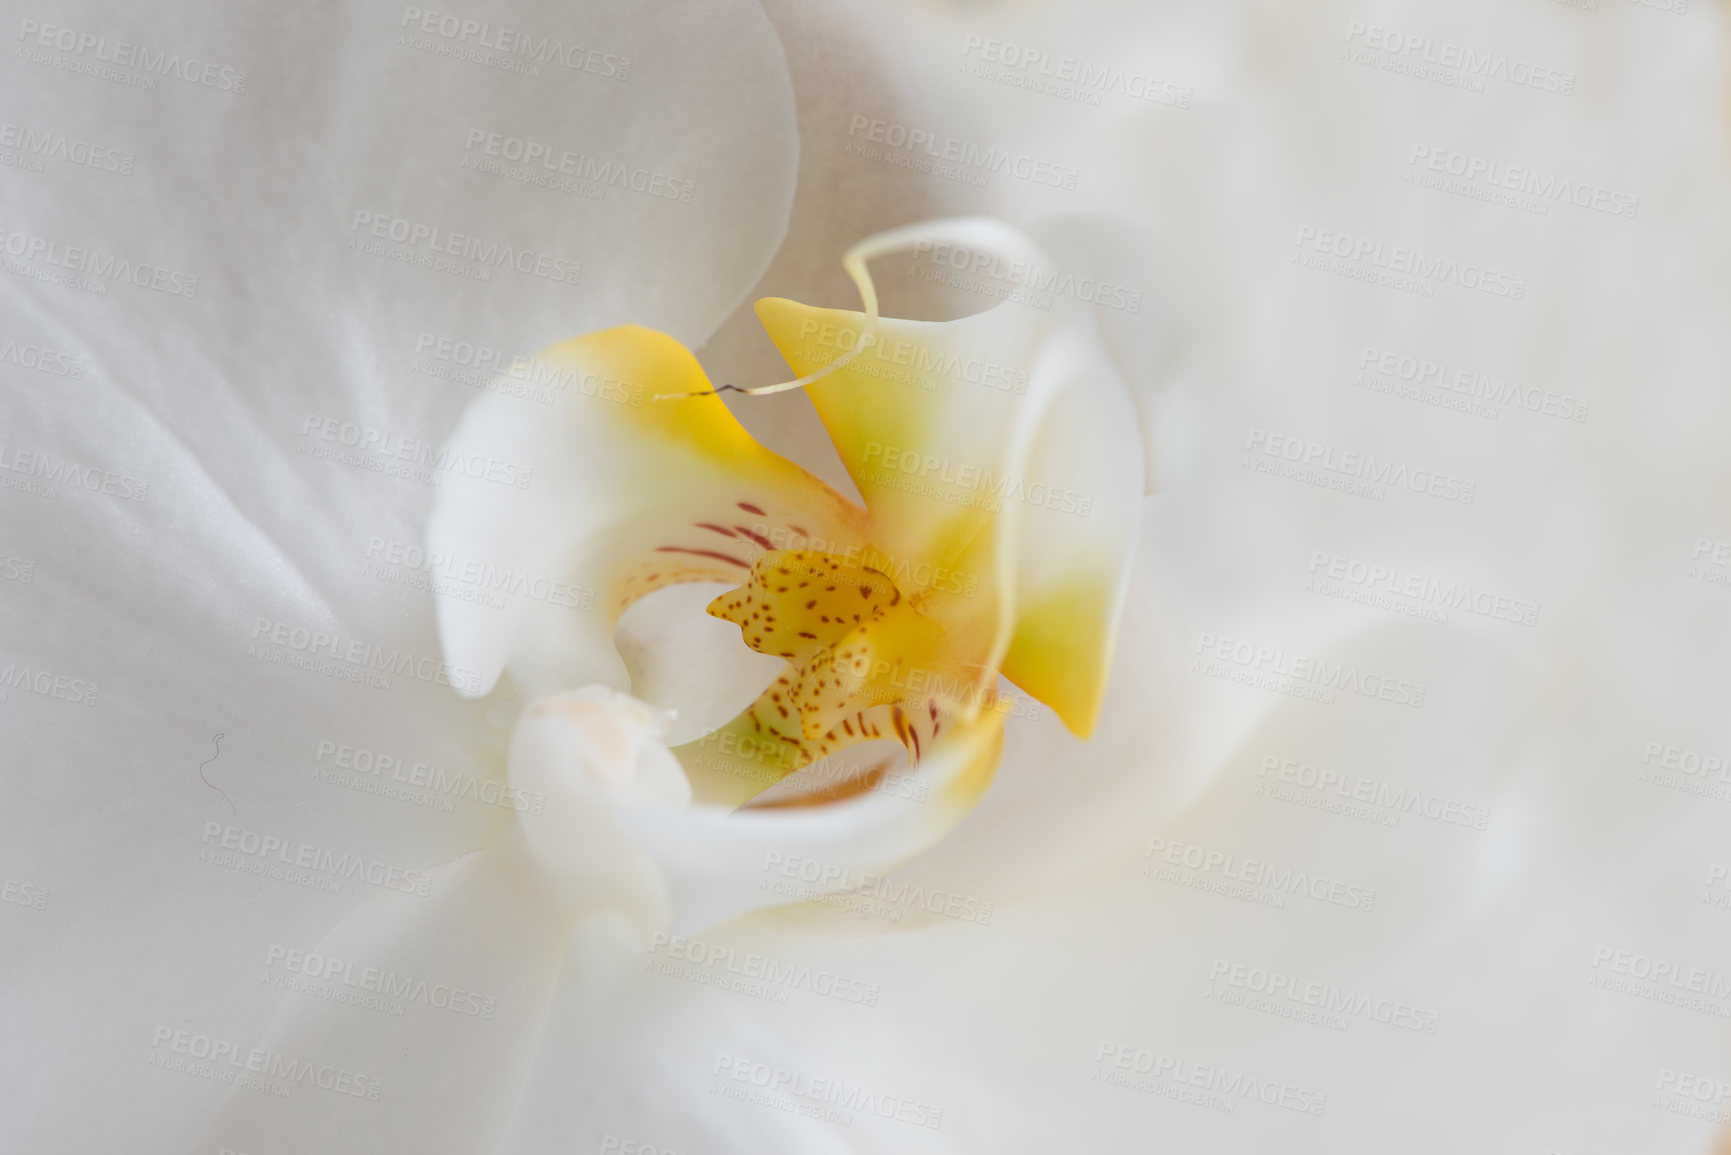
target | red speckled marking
[
  {"x": 757, "y": 537},
  {"x": 703, "y": 553}
]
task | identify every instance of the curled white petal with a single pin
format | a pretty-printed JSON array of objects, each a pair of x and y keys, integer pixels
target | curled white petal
[{"x": 580, "y": 758}]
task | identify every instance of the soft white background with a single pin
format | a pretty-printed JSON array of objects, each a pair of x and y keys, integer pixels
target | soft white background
[{"x": 1495, "y": 930}]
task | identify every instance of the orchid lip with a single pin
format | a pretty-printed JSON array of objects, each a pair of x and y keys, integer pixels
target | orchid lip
[{"x": 865, "y": 664}]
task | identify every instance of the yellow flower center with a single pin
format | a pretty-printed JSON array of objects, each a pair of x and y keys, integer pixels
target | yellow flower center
[{"x": 866, "y": 663}]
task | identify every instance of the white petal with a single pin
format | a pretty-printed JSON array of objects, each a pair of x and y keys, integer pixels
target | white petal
[
  {"x": 998, "y": 450},
  {"x": 637, "y": 478},
  {"x": 476, "y": 962},
  {"x": 434, "y": 1003},
  {"x": 719, "y": 863},
  {"x": 580, "y": 758},
  {"x": 690, "y": 663},
  {"x": 1139, "y": 322}
]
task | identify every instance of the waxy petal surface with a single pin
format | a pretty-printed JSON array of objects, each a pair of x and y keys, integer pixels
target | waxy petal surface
[
  {"x": 638, "y": 480},
  {"x": 1001, "y": 447}
]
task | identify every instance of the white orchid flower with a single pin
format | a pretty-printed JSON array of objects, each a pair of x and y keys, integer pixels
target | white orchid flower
[
  {"x": 1010, "y": 552},
  {"x": 607, "y": 840},
  {"x": 342, "y": 798}
]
